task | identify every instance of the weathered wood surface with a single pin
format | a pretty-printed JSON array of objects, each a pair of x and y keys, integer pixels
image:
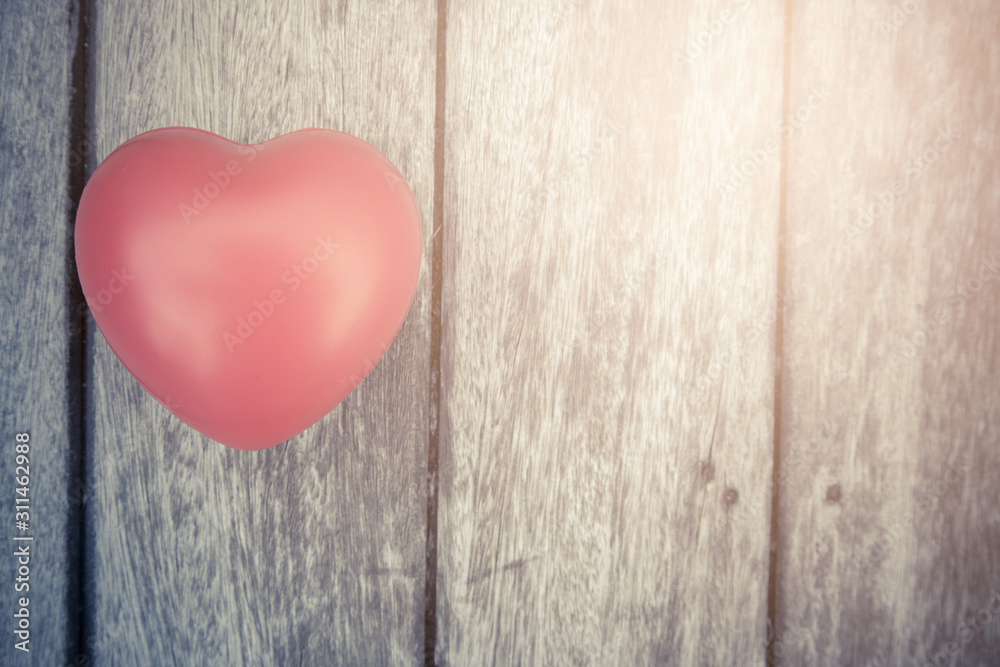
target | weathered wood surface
[
  {"x": 608, "y": 356},
  {"x": 311, "y": 552},
  {"x": 609, "y": 294},
  {"x": 889, "y": 530},
  {"x": 36, "y": 52}
]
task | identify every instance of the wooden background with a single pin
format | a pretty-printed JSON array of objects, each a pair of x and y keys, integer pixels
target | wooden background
[{"x": 702, "y": 367}]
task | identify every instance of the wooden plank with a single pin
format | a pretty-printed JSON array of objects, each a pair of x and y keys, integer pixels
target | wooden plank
[
  {"x": 311, "y": 552},
  {"x": 607, "y": 365},
  {"x": 888, "y": 531},
  {"x": 37, "y": 392}
]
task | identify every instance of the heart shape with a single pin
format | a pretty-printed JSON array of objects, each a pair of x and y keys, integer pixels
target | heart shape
[{"x": 248, "y": 287}]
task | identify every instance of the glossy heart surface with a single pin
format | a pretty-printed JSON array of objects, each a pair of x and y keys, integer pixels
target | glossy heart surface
[{"x": 248, "y": 287}]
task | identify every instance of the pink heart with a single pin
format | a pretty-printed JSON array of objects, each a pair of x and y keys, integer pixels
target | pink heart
[{"x": 248, "y": 288}]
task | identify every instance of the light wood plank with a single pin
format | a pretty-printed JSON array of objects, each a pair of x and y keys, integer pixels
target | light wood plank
[
  {"x": 35, "y": 394},
  {"x": 311, "y": 552},
  {"x": 883, "y": 550},
  {"x": 607, "y": 407}
]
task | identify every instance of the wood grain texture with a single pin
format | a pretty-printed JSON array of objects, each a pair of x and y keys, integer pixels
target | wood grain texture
[
  {"x": 311, "y": 552},
  {"x": 608, "y": 358},
  {"x": 889, "y": 529},
  {"x": 36, "y": 51}
]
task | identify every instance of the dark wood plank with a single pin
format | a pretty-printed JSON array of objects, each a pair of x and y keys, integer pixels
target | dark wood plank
[
  {"x": 889, "y": 532},
  {"x": 36, "y": 53},
  {"x": 311, "y": 552},
  {"x": 607, "y": 408}
]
